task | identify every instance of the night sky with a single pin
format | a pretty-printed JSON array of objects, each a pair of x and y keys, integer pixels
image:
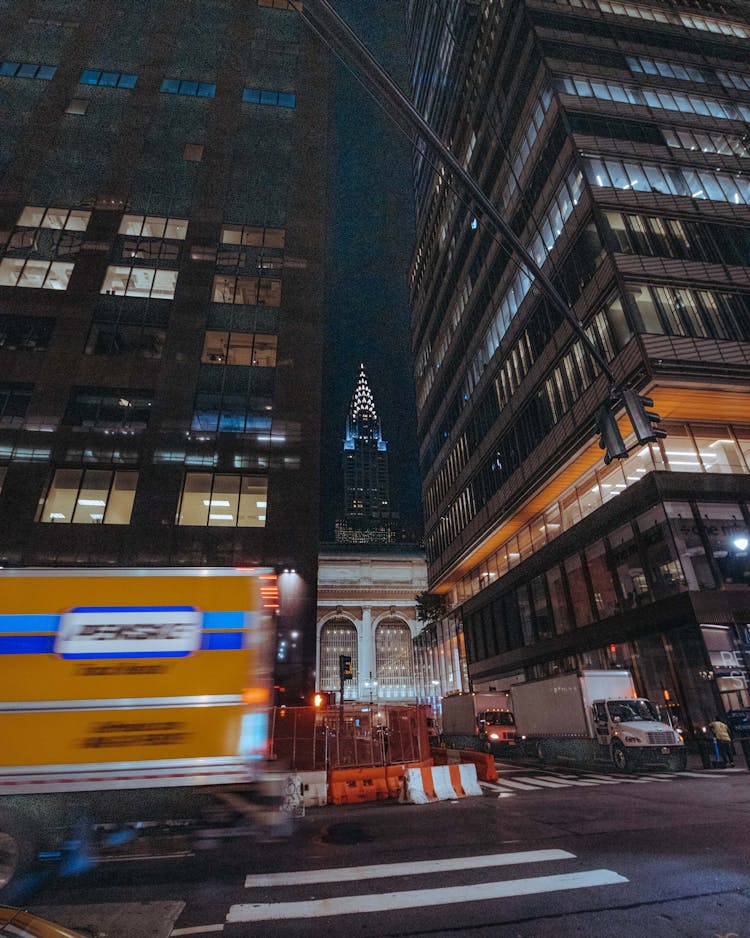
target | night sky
[{"x": 371, "y": 239}]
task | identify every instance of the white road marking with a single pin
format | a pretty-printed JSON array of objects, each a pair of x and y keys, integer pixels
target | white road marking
[
  {"x": 707, "y": 774},
  {"x": 381, "y": 870},
  {"x": 492, "y": 786},
  {"x": 510, "y": 783},
  {"x": 412, "y": 899},
  {"x": 196, "y": 930},
  {"x": 543, "y": 782},
  {"x": 570, "y": 781},
  {"x": 612, "y": 780}
]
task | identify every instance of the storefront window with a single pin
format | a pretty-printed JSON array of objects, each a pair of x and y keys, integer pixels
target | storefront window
[
  {"x": 558, "y": 599},
  {"x": 542, "y": 615},
  {"x": 680, "y": 450},
  {"x": 631, "y": 581},
  {"x": 612, "y": 481},
  {"x": 718, "y": 451},
  {"x": 728, "y": 666},
  {"x": 605, "y": 595},
  {"x": 579, "y": 591},
  {"x": 728, "y": 539},
  {"x": 743, "y": 440},
  {"x": 689, "y": 546},
  {"x": 571, "y": 511},
  {"x": 524, "y": 610},
  {"x": 661, "y": 557}
]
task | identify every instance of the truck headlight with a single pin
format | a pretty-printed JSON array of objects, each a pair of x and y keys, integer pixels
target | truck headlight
[{"x": 494, "y": 736}]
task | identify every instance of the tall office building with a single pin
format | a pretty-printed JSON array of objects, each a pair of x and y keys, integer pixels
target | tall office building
[
  {"x": 162, "y": 225},
  {"x": 614, "y": 136},
  {"x": 367, "y": 501}
]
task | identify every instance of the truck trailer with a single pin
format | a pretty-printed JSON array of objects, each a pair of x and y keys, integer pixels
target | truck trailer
[
  {"x": 594, "y": 717},
  {"x": 478, "y": 721},
  {"x": 130, "y": 699}
]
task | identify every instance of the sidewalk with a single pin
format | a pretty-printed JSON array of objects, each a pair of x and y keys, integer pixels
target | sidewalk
[{"x": 695, "y": 761}]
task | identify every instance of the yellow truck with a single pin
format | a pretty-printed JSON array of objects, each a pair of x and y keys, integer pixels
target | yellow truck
[{"x": 129, "y": 699}]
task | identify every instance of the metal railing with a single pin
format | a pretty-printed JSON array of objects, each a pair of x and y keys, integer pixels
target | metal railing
[{"x": 307, "y": 739}]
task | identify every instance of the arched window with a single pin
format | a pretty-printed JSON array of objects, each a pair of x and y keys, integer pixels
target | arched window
[
  {"x": 394, "y": 666},
  {"x": 338, "y": 637}
]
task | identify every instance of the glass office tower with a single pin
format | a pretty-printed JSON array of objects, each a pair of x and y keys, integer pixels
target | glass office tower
[
  {"x": 614, "y": 138},
  {"x": 162, "y": 219}
]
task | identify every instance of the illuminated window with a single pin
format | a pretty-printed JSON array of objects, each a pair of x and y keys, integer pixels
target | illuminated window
[
  {"x": 193, "y": 89},
  {"x": 89, "y": 496},
  {"x": 239, "y": 348},
  {"x": 27, "y": 70},
  {"x": 193, "y": 152},
  {"x": 253, "y": 235},
  {"x": 34, "y": 216},
  {"x": 77, "y": 106},
  {"x": 394, "y": 667},
  {"x": 214, "y": 500},
  {"x": 338, "y": 637},
  {"x": 47, "y": 275},
  {"x": 272, "y": 98},
  {"x": 249, "y": 291},
  {"x": 139, "y": 281},
  {"x": 107, "y": 79},
  {"x": 153, "y": 226}
]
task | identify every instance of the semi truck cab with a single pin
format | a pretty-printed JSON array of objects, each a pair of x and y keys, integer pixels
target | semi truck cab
[{"x": 629, "y": 723}]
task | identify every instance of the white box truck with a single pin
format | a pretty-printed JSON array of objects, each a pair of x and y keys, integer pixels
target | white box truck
[
  {"x": 594, "y": 716},
  {"x": 478, "y": 721}
]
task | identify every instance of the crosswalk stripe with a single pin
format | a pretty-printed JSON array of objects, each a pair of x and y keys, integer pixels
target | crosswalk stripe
[
  {"x": 603, "y": 779},
  {"x": 381, "y": 870},
  {"x": 544, "y": 782},
  {"x": 563, "y": 778},
  {"x": 492, "y": 786},
  {"x": 567, "y": 780},
  {"x": 706, "y": 774},
  {"x": 511, "y": 783},
  {"x": 418, "y": 898}
]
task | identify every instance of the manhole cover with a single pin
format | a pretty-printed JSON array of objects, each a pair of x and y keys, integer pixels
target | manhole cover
[{"x": 346, "y": 834}]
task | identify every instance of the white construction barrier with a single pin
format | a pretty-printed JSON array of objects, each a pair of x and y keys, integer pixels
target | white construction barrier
[{"x": 439, "y": 783}]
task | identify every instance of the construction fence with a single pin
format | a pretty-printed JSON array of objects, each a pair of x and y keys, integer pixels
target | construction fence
[{"x": 310, "y": 739}]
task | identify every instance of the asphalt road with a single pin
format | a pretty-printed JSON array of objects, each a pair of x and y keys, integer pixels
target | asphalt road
[{"x": 544, "y": 854}]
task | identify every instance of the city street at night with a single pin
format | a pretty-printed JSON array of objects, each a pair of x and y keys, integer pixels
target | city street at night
[{"x": 543, "y": 853}]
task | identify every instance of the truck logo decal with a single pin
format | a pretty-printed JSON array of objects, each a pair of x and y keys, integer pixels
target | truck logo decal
[{"x": 88, "y": 632}]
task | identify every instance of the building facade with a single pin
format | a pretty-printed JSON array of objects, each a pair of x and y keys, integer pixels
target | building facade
[
  {"x": 367, "y": 610},
  {"x": 162, "y": 227},
  {"x": 614, "y": 136}
]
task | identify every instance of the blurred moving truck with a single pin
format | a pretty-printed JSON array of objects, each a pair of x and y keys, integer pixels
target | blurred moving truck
[
  {"x": 594, "y": 716},
  {"x": 478, "y": 721},
  {"x": 129, "y": 699}
]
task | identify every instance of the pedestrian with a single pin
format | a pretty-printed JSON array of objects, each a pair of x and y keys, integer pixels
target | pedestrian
[{"x": 720, "y": 732}]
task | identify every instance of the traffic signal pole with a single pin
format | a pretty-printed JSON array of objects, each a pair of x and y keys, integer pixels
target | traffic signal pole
[{"x": 335, "y": 32}]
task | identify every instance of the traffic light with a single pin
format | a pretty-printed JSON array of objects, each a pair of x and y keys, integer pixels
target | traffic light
[
  {"x": 318, "y": 700},
  {"x": 610, "y": 439},
  {"x": 643, "y": 420},
  {"x": 346, "y": 672}
]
